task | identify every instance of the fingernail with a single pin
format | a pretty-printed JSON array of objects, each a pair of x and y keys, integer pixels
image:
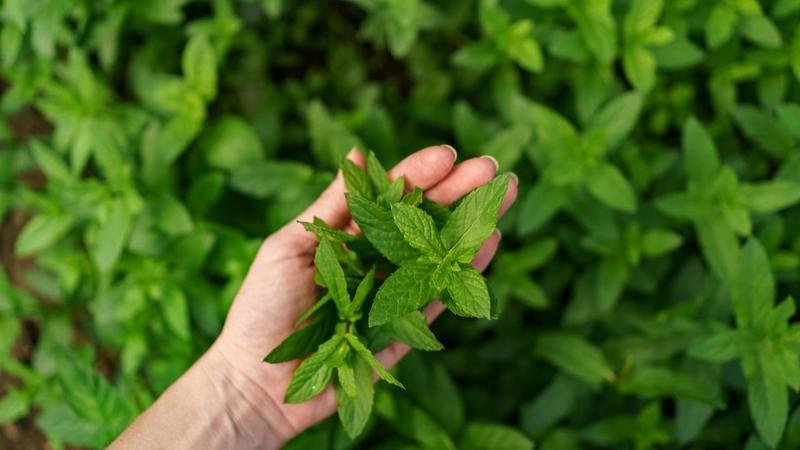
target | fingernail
[
  {"x": 515, "y": 177},
  {"x": 353, "y": 151},
  {"x": 493, "y": 160},
  {"x": 450, "y": 147},
  {"x": 499, "y": 233}
]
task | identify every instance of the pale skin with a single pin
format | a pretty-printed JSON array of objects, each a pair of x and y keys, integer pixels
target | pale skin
[{"x": 230, "y": 398}]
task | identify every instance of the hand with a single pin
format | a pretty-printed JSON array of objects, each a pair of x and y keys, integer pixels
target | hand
[{"x": 279, "y": 287}]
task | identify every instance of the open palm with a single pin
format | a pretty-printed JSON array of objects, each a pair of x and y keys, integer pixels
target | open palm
[{"x": 280, "y": 284}]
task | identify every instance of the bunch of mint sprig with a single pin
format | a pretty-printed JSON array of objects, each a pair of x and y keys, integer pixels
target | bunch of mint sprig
[{"x": 422, "y": 250}]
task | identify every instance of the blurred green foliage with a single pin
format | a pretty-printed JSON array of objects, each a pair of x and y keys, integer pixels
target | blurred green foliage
[{"x": 646, "y": 273}]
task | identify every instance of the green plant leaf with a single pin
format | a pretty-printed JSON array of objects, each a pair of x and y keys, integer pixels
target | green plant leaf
[
  {"x": 305, "y": 340},
  {"x": 418, "y": 229},
  {"x": 365, "y": 354},
  {"x": 200, "y": 66},
  {"x": 313, "y": 375},
  {"x": 378, "y": 226},
  {"x": 764, "y": 130},
  {"x": 724, "y": 346},
  {"x": 617, "y": 118},
  {"x": 609, "y": 186},
  {"x": 42, "y": 232},
  {"x": 769, "y": 405},
  {"x": 355, "y": 410},
  {"x": 362, "y": 290},
  {"x": 356, "y": 180},
  {"x": 406, "y": 290},
  {"x": 377, "y": 174},
  {"x": 479, "y": 436},
  {"x": 112, "y": 236},
  {"x": 575, "y": 356},
  {"x": 539, "y": 206},
  {"x": 468, "y": 295},
  {"x": 332, "y": 274},
  {"x": 700, "y": 160},
  {"x": 474, "y": 219},
  {"x": 770, "y": 196},
  {"x": 753, "y": 287},
  {"x": 413, "y": 330},
  {"x": 720, "y": 25}
]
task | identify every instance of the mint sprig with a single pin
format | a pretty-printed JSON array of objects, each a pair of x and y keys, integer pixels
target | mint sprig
[{"x": 422, "y": 250}]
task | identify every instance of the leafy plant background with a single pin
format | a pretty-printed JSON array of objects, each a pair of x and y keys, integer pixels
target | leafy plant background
[{"x": 148, "y": 147}]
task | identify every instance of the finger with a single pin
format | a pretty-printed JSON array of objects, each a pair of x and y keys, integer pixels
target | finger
[
  {"x": 511, "y": 194},
  {"x": 330, "y": 206},
  {"x": 425, "y": 168},
  {"x": 464, "y": 177}
]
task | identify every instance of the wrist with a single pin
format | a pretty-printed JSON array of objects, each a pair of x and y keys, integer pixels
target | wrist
[{"x": 248, "y": 409}]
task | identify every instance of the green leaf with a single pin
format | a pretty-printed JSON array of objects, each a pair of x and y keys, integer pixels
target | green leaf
[
  {"x": 468, "y": 295},
  {"x": 474, "y": 219},
  {"x": 377, "y": 174},
  {"x": 370, "y": 359},
  {"x": 305, "y": 340},
  {"x": 768, "y": 401},
  {"x": 609, "y": 186},
  {"x": 355, "y": 410},
  {"x": 508, "y": 145},
  {"x": 683, "y": 205},
  {"x": 550, "y": 405},
  {"x": 752, "y": 288},
  {"x": 50, "y": 163},
  {"x": 764, "y": 130},
  {"x": 700, "y": 160},
  {"x": 406, "y": 290},
  {"x": 724, "y": 346},
  {"x": 356, "y": 180},
  {"x": 332, "y": 275},
  {"x": 789, "y": 114},
  {"x": 175, "y": 308},
  {"x": 596, "y": 26},
  {"x": 323, "y": 231},
  {"x": 680, "y": 53},
  {"x": 200, "y": 66},
  {"x": 42, "y": 232},
  {"x": 719, "y": 244},
  {"x": 640, "y": 67},
  {"x": 346, "y": 379},
  {"x": 720, "y": 25},
  {"x": 617, "y": 118},
  {"x": 91, "y": 396},
  {"x": 760, "y": 30},
  {"x": 313, "y": 375},
  {"x": 362, "y": 290},
  {"x": 478, "y": 56},
  {"x": 527, "y": 53},
  {"x": 270, "y": 179},
  {"x": 770, "y": 196},
  {"x": 418, "y": 229},
  {"x": 14, "y": 405},
  {"x": 654, "y": 382},
  {"x": 575, "y": 356},
  {"x": 540, "y": 204},
  {"x": 112, "y": 236},
  {"x": 378, "y": 226},
  {"x": 659, "y": 242},
  {"x": 479, "y": 436},
  {"x": 231, "y": 143},
  {"x": 413, "y": 330}
]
